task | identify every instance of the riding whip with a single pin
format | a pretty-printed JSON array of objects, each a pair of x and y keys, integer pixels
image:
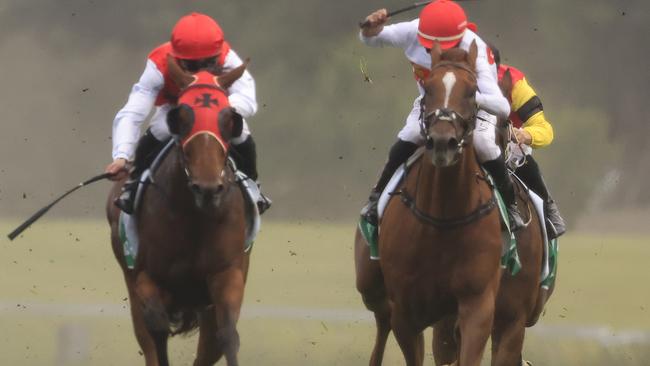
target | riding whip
[
  {"x": 365, "y": 23},
  {"x": 43, "y": 210}
]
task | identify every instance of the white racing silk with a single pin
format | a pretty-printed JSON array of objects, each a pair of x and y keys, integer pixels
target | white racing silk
[{"x": 128, "y": 121}]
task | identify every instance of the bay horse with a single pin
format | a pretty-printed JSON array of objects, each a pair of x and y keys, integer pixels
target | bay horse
[
  {"x": 191, "y": 266},
  {"x": 440, "y": 242}
]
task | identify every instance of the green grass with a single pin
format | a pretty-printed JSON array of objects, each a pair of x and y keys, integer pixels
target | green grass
[{"x": 602, "y": 282}]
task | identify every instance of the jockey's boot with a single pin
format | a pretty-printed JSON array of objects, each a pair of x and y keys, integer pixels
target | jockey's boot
[
  {"x": 532, "y": 177},
  {"x": 399, "y": 153},
  {"x": 245, "y": 157},
  {"x": 499, "y": 172},
  {"x": 146, "y": 151}
]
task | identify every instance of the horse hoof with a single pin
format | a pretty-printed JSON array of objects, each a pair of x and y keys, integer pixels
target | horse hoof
[{"x": 526, "y": 363}]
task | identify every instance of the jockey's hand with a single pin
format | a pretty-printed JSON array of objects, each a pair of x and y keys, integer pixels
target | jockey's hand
[
  {"x": 118, "y": 169},
  {"x": 377, "y": 21},
  {"x": 523, "y": 137}
]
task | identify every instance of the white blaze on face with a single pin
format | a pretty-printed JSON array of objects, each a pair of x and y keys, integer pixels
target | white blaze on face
[{"x": 449, "y": 80}]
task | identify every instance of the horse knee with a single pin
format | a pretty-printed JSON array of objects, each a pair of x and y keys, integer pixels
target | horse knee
[
  {"x": 153, "y": 310},
  {"x": 155, "y": 317}
]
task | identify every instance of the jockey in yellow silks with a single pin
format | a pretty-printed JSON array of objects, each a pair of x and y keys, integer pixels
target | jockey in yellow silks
[{"x": 533, "y": 131}]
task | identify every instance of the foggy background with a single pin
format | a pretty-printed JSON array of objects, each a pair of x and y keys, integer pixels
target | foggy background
[{"x": 322, "y": 132}]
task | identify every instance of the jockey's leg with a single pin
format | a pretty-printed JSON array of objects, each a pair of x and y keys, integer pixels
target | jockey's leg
[
  {"x": 490, "y": 156},
  {"x": 408, "y": 140},
  {"x": 245, "y": 157},
  {"x": 244, "y": 153},
  {"x": 146, "y": 151},
  {"x": 532, "y": 177},
  {"x": 399, "y": 153}
]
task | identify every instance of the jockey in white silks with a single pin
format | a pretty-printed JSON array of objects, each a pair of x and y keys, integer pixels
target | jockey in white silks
[
  {"x": 443, "y": 22},
  {"x": 197, "y": 43}
]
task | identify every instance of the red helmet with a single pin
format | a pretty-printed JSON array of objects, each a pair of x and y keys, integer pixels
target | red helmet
[
  {"x": 443, "y": 21},
  {"x": 196, "y": 36}
]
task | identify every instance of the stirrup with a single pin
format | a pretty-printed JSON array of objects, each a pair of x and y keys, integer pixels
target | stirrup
[
  {"x": 369, "y": 211},
  {"x": 263, "y": 203}
]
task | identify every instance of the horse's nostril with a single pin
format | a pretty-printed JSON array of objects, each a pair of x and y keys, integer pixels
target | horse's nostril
[
  {"x": 452, "y": 143},
  {"x": 219, "y": 189},
  {"x": 195, "y": 187}
]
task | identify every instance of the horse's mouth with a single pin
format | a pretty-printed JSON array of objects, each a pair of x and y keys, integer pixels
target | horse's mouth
[{"x": 207, "y": 199}]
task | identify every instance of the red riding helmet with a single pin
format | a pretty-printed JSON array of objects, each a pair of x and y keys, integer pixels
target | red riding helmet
[
  {"x": 443, "y": 21},
  {"x": 196, "y": 36}
]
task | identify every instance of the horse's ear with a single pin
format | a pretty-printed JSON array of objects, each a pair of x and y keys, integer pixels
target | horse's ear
[
  {"x": 231, "y": 123},
  {"x": 472, "y": 55},
  {"x": 436, "y": 54},
  {"x": 180, "y": 120},
  {"x": 505, "y": 84},
  {"x": 227, "y": 79},
  {"x": 181, "y": 78}
]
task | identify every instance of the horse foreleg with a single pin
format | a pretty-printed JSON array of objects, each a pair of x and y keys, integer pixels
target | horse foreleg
[
  {"x": 227, "y": 293},
  {"x": 146, "y": 342},
  {"x": 508, "y": 341},
  {"x": 382, "y": 320},
  {"x": 445, "y": 347},
  {"x": 153, "y": 316},
  {"x": 410, "y": 340},
  {"x": 370, "y": 284},
  {"x": 207, "y": 354},
  {"x": 475, "y": 316}
]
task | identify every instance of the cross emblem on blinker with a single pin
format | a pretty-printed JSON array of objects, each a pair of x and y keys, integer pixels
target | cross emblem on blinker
[{"x": 206, "y": 101}]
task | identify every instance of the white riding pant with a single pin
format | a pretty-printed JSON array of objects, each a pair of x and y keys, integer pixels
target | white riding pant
[
  {"x": 160, "y": 130},
  {"x": 485, "y": 143}
]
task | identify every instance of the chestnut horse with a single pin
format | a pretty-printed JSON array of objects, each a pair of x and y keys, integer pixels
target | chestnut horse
[
  {"x": 440, "y": 242},
  {"x": 191, "y": 265},
  {"x": 521, "y": 298}
]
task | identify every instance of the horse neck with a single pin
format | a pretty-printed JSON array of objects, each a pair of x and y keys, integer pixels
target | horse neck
[{"x": 448, "y": 192}]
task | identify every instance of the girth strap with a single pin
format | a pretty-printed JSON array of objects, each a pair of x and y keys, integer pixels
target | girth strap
[{"x": 481, "y": 211}]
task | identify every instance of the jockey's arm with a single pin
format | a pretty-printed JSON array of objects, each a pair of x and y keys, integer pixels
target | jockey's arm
[
  {"x": 127, "y": 122},
  {"x": 241, "y": 93},
  {"x": 528, "y": 107},
  {"x": 395, "y": 35},
  {"x": 489, "y": 96}
]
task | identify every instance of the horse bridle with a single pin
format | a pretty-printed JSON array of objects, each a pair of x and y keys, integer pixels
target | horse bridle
[
  {"x": 454, "y": 118},
  {"x": 447, "y": 114},
  {"x": 178, "y": 142}
]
